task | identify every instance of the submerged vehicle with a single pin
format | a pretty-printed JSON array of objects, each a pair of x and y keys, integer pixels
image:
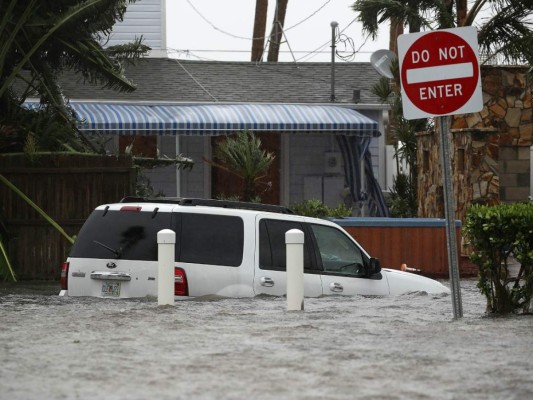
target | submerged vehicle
[{"x": 223, "y": 248}]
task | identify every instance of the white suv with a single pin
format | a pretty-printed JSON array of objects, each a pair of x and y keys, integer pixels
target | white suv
[{"x": 223, "y": 248}]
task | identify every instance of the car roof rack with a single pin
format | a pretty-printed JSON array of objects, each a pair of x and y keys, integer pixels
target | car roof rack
[{"x": 182, "y": 201}]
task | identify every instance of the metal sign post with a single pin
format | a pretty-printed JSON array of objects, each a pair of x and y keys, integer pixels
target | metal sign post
[
  {"x": 449, "y": 211},
  {"x": 440, "y": 76}
]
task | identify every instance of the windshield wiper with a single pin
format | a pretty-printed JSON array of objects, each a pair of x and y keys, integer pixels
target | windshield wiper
[{"x": 117, "y": 253}]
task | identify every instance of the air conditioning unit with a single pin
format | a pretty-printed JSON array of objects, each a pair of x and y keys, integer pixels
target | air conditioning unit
[{"x": 332, "y": 163}]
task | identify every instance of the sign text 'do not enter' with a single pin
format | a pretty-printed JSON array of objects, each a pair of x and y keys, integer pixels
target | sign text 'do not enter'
[{"x": 440, "y": 73}]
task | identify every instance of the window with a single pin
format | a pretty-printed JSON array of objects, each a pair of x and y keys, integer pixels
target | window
[
  {"x": 211, "y": 239},
  {"x": 272, "y": 247},
  {"x": 338, "y": 253},
  {"x": 120, "y": 234}
]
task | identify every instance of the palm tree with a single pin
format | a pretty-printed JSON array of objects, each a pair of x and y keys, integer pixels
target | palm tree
[
  {"x": 38, "y": 40},
  {"x": 416, "y": 14},
  {"x": 243, "y": 156},
  {"x": 506, "y": 33}
]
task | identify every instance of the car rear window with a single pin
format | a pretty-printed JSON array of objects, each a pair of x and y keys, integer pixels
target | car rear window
[{"x": 120, "y": 234}]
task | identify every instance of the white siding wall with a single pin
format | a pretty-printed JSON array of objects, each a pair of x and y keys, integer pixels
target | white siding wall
[
  {"x": 306, "y": 159},
  {"x": 146, "y": 18}
]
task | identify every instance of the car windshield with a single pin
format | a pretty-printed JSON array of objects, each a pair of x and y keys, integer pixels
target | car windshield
[{"x": 120, "y": 234}]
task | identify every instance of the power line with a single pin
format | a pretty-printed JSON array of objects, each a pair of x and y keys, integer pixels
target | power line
[
  {"x": 319, "y": 49},
  {"x": 195, "y": 80},
  {"x": 248, "y": 51},
  {"x": 247, "y": 37},
  {"x": 308, "y": 55}
]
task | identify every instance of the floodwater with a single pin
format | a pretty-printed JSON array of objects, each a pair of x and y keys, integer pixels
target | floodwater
[{"x": 404, "y": 347}]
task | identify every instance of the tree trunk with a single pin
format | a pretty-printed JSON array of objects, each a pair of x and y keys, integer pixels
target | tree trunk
[
  {"x": 258, "y": 42},
  {"x": 462, "y": 9},
  {"x": 396, "y": 29},
  {"x": 277, "y": 30}
]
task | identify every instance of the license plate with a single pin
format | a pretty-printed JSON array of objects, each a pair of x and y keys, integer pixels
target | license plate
[{"x": 111, "y": 289}]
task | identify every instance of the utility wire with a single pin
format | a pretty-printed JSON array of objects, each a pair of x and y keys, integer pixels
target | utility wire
[
  {"x": 246, "y": 37},
  {"x": 319, "y": 49},
  {"x": 345, "y": 40},
  {"x": 341, "y": 38},
  {"x": 188, "y": 52},
  {"x": 195, "y": 80}
]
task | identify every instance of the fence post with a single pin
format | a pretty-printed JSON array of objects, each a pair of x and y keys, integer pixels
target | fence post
[
  {"x": 531, "y": 173},
  {"x": 294, "y": 241},
  {"x": 166, "y": 241}
]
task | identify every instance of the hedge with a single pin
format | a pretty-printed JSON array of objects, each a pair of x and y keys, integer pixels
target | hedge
[{"x": 499, "y": 236}]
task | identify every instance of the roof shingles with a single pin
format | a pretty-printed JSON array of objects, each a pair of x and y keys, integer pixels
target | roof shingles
[{"x": 169, "y": 80}]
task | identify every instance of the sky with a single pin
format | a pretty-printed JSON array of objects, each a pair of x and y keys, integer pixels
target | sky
[{"x": 222, "y": 30}]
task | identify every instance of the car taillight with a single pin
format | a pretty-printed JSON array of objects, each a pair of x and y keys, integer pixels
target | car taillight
[
  {"x": 180, "y": 282},
  {"x": 64, "y": 276}
]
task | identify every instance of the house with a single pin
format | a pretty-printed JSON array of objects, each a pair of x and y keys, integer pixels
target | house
[
  {"x": 321, "y": 120},
  {"x": 289, "y": 101}
]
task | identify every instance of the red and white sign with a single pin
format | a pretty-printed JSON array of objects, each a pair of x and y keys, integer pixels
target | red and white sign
[{"x": 440, "y": 73}]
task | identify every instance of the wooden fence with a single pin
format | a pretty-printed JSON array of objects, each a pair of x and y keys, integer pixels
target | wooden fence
[
  {"x": 417, "y": 242},
  {"x": 67, "y": 187}
]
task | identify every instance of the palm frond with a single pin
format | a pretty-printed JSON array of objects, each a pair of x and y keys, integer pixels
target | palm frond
[
  {"x": 508, "y": 32},
  {"x": 128, "y": 52},
  {"x": 90, "y": 59},
  {"x": 26, "y": 199},
  {"x": 36, "y": 46},
  {"x": 6, "y": 270},
  {"x": 383, "y": 90},
  {"x": 415, "y": 14}
]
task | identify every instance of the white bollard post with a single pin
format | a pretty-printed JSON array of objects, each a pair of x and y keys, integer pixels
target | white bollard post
[
  {"x": 166, "y": 241},
  {"x": 294, "y": 240}
]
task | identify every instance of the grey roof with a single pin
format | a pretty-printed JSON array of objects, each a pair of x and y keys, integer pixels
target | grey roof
[{"x": 169, "y": 80}]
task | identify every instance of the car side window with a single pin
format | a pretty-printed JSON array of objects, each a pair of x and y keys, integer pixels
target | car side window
[
  {"x": 338, "y": 253},
  {"x": 272, "y": 247},
  {"x": 210, "y": 239}
]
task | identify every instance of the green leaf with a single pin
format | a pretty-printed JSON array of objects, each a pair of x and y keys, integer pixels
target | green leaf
[
  {"x": 5, "y": 266},
  {"x": 36, "y": 208}
]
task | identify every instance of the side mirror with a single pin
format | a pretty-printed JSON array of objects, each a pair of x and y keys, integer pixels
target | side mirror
[{"x": 374, "y": 266}]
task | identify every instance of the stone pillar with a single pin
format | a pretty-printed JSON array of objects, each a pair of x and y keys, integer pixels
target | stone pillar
[{"x": 475, "y": 155}]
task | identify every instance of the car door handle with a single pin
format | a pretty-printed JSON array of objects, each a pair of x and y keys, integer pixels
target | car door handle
[
  {"x": 111, "y": 276},
  {"x": 336, "y": 287},
  {"x": 265, "y": 281}
]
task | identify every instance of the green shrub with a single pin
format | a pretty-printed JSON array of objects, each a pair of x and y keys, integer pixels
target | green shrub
[
  {"x": 497, "y": 235},
  {"x": 317, "y": 209}
]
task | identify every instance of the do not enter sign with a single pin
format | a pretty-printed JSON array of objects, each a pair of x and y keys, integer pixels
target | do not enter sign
[{"x": 440, "y": 73}]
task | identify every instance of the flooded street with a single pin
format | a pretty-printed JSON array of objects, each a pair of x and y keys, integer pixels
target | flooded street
[{"x": 404, "y": 347}]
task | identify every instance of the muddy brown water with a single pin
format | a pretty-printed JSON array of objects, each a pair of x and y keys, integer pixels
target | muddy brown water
[{"x": 403, "y": 347}]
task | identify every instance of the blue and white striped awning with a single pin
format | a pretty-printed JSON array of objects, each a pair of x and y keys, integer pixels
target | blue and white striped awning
[{"x": 220, "y": 119}]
